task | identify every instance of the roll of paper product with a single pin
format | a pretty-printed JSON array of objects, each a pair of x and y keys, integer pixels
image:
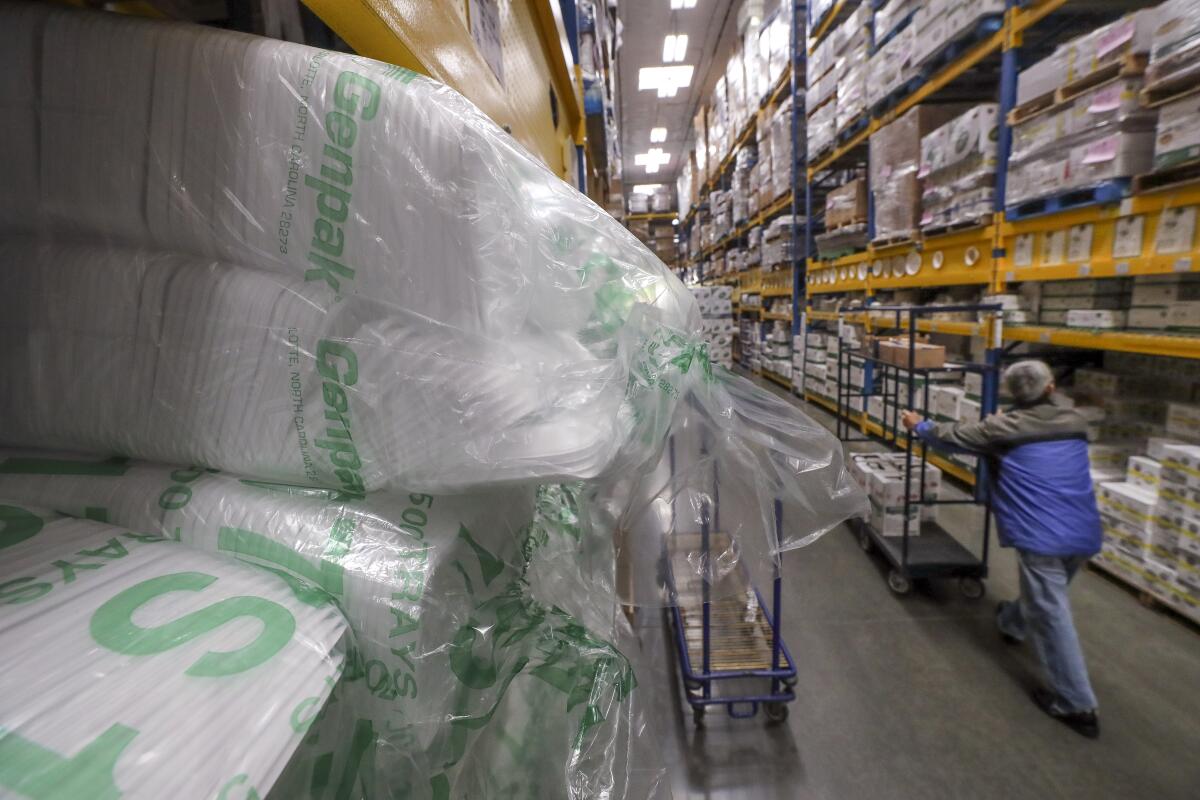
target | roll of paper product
[
  {"x": 378, "y": 201},
  {"x": 177, "y": 360},
  {"x": 418, "y": 577},
  {"x": 135, "y": 666}
]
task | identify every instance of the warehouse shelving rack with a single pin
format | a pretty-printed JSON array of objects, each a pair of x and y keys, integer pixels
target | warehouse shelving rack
[
  {"x": 780, "y": 283},
  {"x": 934, "y": 553},
  {"x": 1004, "y": 251}
]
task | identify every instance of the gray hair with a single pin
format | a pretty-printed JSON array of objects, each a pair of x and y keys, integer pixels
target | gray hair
[{"x": 1027, "y": 381}]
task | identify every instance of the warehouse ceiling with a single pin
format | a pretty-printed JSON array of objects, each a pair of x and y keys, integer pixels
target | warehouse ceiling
[{"x": 711, "y": 30}]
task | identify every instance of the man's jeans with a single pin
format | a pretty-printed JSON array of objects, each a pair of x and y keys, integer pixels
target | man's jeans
[{"x": 1044, "y": 611}]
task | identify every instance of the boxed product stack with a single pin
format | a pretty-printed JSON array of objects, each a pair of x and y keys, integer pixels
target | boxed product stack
[
  {"x": 958, "y": 169},
  {"x": 851, "y": 43},
  {"x": 1109, "y": 45},
  {"x": 821, "y": 130},
  {"x": 1128, "y": 515},
  {"x": 1177, "y": 542},
  {"x": 1159, "y": 302},
  {"x": 890, "y": 15},
  {"x": 750, "y": 341},
  {"x": 684, "y": 185},
  {"x": 778, "y": 241},
  {"x": 799, "y": 353},
  {"x": 737, "y": 108},
  {"x": 1016, "y": 309},
  {"x": 740, "y": 189},
  {"x": 882, "y": 477},
  {"x": 895, "y": 158},
  {"x": 716, "y": 306},
  {"x": 781, "y": 149},
  {"x": 1175, "y": 70},
  {"x": 939, "y": 22},
  {"x": 892, "y": 65},
  {"x": 1067, "y": 139},
  {"x": 815, "y": 371},
  {"x": 700, "y": 131},
  {"x": 777, "y": 349},
  {"x": 1094, "y": 303},
  {"x": 717, "y": 120},
  {"x": 846, "y": 205},
  {"x": 721, "y": 203},
  {"x": 773, "y": 46},
  {"x": 754, "y": 246}
]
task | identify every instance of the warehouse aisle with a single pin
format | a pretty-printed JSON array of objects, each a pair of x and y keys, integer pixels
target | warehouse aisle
[{"x": 918, "y": 697}]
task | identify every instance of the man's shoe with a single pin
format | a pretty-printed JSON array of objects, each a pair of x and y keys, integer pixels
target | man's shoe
[
  {"x": 1085, "y": 723},
  {"x": 1007, "y": 637}
]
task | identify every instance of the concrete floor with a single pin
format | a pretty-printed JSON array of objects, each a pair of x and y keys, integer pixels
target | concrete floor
[{"x": 917, "y": 696}]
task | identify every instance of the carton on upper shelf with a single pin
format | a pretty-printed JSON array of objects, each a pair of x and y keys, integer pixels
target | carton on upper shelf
[
  {"x": 852, "y": 89},
  {"x": 1177, "y": 138},
  {"x": 1086, "y": 54},
  {"x": 1175, "y": 45},
  {"x": 939, "y": 22},
  {"x": 895, "y": 158},
  {"x": 924, "y": 355},
  {"x": 846, "y": 204},
  {"x": 891, "y": 66}
]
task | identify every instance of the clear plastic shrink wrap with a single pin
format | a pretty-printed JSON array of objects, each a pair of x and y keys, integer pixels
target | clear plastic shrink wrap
[
  {"x": 312, "y": 269},
  {"x": 490, "y": 305},
  {"x": 132, "y": 666},
  {"x": 453, "y": 645}
]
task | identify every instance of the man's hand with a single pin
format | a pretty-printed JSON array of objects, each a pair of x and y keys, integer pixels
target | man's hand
[{"x": 909, "y": 419}]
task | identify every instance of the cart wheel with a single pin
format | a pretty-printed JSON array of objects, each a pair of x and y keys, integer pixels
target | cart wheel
[
  {"x": 898, "y": 583},
  {"x": 971, "y": 588},
  {"x": 776, "y": 712},
  {"x": 698, "y": 715},
  {"x": 864, "y": 541}
]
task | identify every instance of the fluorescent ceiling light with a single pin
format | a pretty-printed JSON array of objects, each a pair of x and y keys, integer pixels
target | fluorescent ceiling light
[
  {"x": 675, "y": 47},
  {"x": 658, "y": 134},
  {"x": 678, "y": 4},
  {"x": 665, "y": 80},
  {"x": 646, "y": 188},
  {"x": 652, "y": 159}
]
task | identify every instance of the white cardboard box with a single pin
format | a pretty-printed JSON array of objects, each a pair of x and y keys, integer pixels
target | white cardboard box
[
  {"x": 1183, "y": 419},
  {"x": 1087, "y": 318},
  {"x": 1130, "y": 504},
  {"x": 1144, "y": 472}
]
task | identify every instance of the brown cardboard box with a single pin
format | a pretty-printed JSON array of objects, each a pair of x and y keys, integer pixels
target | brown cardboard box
[
  {"x": 925, "y": 355},
  {"x": 846, "y": 204},
  {"x": 895, "y": 156}
]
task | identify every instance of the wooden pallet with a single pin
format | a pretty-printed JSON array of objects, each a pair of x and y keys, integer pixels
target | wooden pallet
[
  {"x": 1129, "y": 65},
  {"x": 1144, "y": 597},
  {"x": 835, "y": 228},
  {"x": 1179, "y": 81},
  {"x": 1110, "y": 191},
  {"x": 888, "y": 241},
  {"x": 1126, "y": 66},
  {"x": 1171, "y": 178},
  {"x": 965, "y": 225}
]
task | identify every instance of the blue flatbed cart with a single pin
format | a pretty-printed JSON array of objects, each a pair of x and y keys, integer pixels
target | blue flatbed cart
[{"x": 728, "y": 643}]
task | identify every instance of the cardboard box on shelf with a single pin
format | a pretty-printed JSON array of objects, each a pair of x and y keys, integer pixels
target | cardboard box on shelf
[
  {"x": 924, "y": 355},
  {"x": 846, "y": 204},
  {"x": 1086, "y": 318},
  {"x": 946, "y": 401},
  {"x": 1144, "y": 472},
  {"x": 1183, "y": 420},
  {"x": 890, "y": 521},
  {"x": 1132, "y": 505},
  {"x": 895, "y": 157},
  {"x": 1184, "y": 315},
  {"x": 1147, "y": 318}
]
